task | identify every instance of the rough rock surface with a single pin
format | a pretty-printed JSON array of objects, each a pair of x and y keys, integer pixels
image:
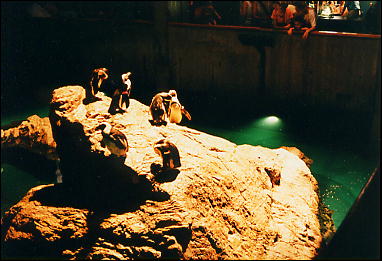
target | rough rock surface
[
  {"x": 299, "y": 154},
  {"x": 222, "y": 204},
  {"x": 34, "y": 134}
]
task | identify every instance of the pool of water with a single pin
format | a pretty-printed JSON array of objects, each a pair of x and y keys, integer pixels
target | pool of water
[
  {"x": 341, "y": 165},
  {"x": 341, "y": 169}
]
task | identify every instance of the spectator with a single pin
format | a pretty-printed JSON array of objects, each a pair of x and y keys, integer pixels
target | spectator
[
  {"x": 281, "y": 15},
  {"x": 340, "y": 7},
  {"x": 332, "y": 7},
  {"x": 373, "y": 18},
  {"x": 228, "y": 10},
  {"x": 325, "y": 8},
  {"x": 304, "y": 18},
  {"x": 206, "y": 14},
  {"x": 261, "y": 14},
  {"x": 297, "y": 24},
  {"x": 246, "y": 12},
  {"x": 353, "y": 9}
]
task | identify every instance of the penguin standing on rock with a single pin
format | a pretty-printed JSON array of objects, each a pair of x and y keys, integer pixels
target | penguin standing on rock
[
  {"x": 158, "y": 108},
  {"x": 116, "y": 86},
  {"x": 114, "y": 140},
  {"x": 169, "y": 154},
  {"x": 98, "y": 76},
  {"x": 125, "y": 95},
  {"x": 175, "y": 109}
]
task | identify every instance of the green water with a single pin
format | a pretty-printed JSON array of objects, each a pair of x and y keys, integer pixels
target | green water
[
  {"x": 22, "y": 115},
  {"x": 341, "y": 170},
  {"x": 15, "y": 183}
]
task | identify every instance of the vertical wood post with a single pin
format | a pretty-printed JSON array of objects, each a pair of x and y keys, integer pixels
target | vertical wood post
[{"x": 161, "y": 48}]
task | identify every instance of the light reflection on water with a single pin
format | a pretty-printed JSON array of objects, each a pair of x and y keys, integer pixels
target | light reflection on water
[{"x": 340, "y": 171}]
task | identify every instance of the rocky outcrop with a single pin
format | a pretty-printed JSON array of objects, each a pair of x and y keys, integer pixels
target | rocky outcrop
[
  {"x": 34, "y": 135},
  {"x": 308, "y": 161},
  {"x": 226, "y": 201}
]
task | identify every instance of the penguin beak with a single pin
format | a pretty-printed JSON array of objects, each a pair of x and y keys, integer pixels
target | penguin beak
[{"x": 157, "y": 151}]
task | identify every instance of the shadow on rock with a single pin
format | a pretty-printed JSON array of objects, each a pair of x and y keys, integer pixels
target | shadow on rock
[
  {"x": 89, "y": 100},
  {"x": 163, "y": 175},
  {"x": 101, "y": 196}
]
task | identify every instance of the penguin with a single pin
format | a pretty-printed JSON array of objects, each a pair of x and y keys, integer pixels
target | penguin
[
  {"x": 117, "y": 87},
  {"x": 159, "y": 107},
  {"x": 169, "y": 154},
  {"x": 175, "y": 109},
  {"x": 125, "y": 95},
  {"x": 98, "y": 76},
  {"x": 114, "y": 140}
]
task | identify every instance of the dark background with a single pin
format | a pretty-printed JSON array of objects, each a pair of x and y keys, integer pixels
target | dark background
[{"x": 40, "y": 54}]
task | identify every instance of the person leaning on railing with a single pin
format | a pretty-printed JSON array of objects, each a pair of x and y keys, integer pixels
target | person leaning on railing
[
  {"x": 304, "y": 19},
  {"x": 281, "y": 15},
  {"x": 206, "y": 13}
]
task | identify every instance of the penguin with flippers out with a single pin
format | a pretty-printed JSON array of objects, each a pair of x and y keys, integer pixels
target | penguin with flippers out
[{"x": 175, "y": 109}]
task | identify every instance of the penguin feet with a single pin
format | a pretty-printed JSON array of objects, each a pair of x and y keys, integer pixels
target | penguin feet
[
  {"x": 88, "y": 100},
  {"x": 155, "y": 168},
  {"x": 113, "y": 111},
  {"x": 158, "y": 123},
  {"x": 162, "y": 174},
  {"x": 120, "y": 110},
  {"x": 117, "y": 110}
]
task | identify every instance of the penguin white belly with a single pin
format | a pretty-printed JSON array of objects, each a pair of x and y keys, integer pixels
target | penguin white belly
[
  {"x": 175, "y": 113},
  {"x": 113, "y": 148}
]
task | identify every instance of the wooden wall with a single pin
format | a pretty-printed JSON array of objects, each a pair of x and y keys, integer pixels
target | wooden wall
[{"x": 324, "y": 70}]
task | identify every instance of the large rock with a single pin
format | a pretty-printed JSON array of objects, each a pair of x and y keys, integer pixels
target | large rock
[
  {"x": 226, "y": 202},
  {"x": 34, "y": 135}
]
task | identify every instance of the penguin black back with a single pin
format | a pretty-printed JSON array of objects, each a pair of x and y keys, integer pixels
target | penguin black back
[
  {"x": 169, "y": 153},
  {"x": 158, "y": 108}
]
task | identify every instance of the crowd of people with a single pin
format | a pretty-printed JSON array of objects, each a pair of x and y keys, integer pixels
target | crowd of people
[{"x": 292, "y": 16}]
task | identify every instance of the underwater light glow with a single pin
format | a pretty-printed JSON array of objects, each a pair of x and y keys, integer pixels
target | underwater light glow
[
  {"x": 272, "y": 123},
  {"x": 271, "y": 119}
]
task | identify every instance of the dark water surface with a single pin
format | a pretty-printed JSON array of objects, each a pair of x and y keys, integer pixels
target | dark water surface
[{"x": 342, "y": 160}]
